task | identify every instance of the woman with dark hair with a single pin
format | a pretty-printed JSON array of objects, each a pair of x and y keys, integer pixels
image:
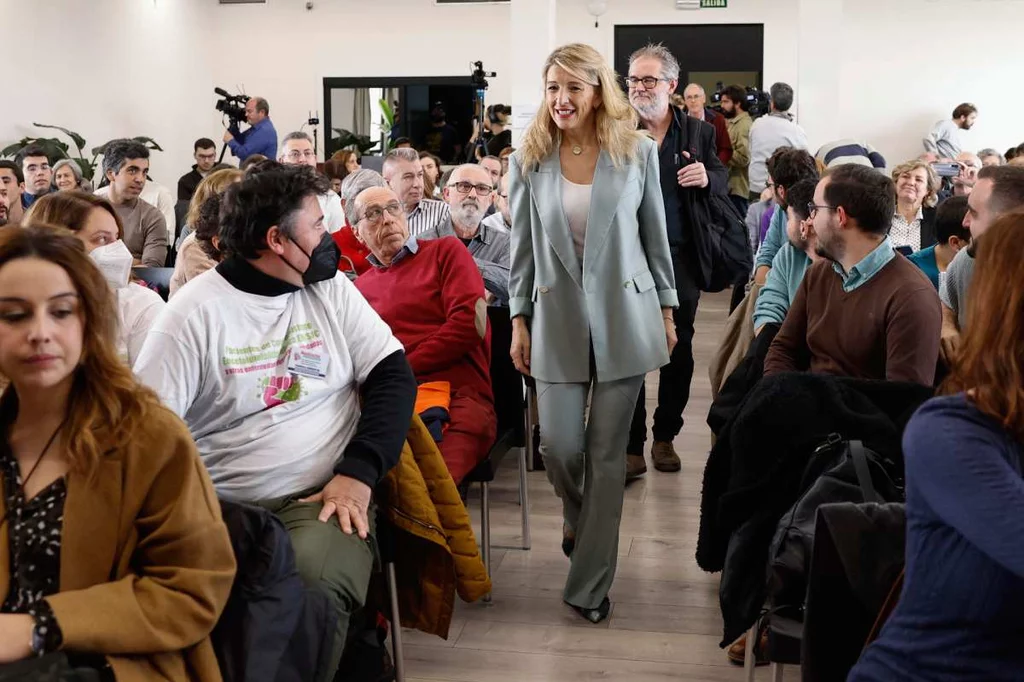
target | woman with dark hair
[
  {"x": 98, "y": 226},
  {"x": 431, "y": 175},
  {"x": 112, "y": 549},
  {"x": 195, "y": 250},
  {"x": 959, "y": 615}
]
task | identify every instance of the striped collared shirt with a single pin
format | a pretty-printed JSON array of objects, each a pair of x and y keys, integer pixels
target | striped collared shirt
[{"x": 427, "y": 215}]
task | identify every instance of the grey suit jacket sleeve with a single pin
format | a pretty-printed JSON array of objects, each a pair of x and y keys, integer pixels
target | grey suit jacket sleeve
[
  {"x": 522, "y": 266},
  {"x": 653, "y": 231}
]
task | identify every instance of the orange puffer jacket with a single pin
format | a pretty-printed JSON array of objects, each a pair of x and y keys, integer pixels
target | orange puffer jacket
[{"x": 436, "y": 554}]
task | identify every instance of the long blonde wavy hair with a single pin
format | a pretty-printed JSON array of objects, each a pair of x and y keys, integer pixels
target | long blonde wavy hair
[{"x": 615, "y": 119}]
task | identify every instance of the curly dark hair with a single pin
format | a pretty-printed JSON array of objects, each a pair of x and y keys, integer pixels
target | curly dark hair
[
  {"x": 207, "y": 226},
  {"x": 263, "y": 200}
]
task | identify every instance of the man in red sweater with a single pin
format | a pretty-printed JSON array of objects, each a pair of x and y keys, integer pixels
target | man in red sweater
[
  {"x": 431, "y": 294},
  {"x": 865, "y": 311}
]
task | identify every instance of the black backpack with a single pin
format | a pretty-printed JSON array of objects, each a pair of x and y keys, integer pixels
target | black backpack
[{"x": 720, "y": 237}]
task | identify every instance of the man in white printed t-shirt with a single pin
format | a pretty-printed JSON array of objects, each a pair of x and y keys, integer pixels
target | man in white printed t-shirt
[{"x": 266, "y": 358}]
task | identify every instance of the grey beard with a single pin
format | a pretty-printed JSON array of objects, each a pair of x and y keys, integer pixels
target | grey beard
[{"x": 467, "y": 216}]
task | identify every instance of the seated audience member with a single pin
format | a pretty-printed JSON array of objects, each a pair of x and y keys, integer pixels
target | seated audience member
[
  {"x": 990, "y": 157},
  {"x": 5, "y": 204},
  {"x": 502, "y": 217},
  {"x": 865, "y": 311},
  {"x": 492, "y": 164},
  {"x": 35, "y": 167},
  {"x": 198, "y": 251},
  {"x": 792, "y": 260},
  {"x": 97, "y": 225},
  {"x": 469, "y": 193},
  {"x": 432, "y": 297},
  {"x": 125, "y": 165},
  {"x": 403, "y": 172},
  {"x": 402, "y": 143},
  {"x": 913, "y": 222},
  {"x": 998, "y": 190},
  {"x": 136, "y": 565},
  {"x": 958, "y": 616},
  {"x": 952, "y": 236},
  {"x": 267, "y": 358},
  {"x": 970, "y": 164},
  {"x": 11, "y": 179},
  {"x": 349, "y": 159},
  {"x": 354, "y": 252},
  {"x": 431, "y": 175},
  {"x": 297, "y": 150},
  {"x": 204, "y": 151},
  {"x": 251, "y": 160},
  {"x": 786, "y": 167},
  {"x": 335, "y": 172},
  {"x": 505, "y": 153},
  {"x": 67, "y": 175},
  {"x": 842, "y": 152}
]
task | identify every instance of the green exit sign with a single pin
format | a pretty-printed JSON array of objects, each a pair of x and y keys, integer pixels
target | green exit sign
[{"x": 714, "y": 4}]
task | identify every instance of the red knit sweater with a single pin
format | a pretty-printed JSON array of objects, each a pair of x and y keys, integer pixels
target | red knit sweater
[{"x": 433, "y": 301}]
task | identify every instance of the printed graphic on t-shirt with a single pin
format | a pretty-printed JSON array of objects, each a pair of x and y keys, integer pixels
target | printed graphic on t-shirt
[{"x": 280, "y": 381}]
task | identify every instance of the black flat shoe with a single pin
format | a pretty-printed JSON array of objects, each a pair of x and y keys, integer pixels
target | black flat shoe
[
  {"x": 595, "y": 616},
  {"x": 568, "y": 542}
]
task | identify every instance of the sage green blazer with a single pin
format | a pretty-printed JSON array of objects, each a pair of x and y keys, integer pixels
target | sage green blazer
[{"x": 613, "y": 300}]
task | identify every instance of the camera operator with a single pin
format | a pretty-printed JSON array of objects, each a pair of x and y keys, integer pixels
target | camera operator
[{"x": 260, "y": 138}]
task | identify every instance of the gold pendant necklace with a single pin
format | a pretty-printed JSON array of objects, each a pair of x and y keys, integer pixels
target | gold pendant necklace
[{"x": 577, "y": 150}]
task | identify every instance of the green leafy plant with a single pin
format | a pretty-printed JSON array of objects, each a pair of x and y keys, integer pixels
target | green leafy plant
[
  {"x": 56, "y": 149},
  {"x": 346, "y": 139}
]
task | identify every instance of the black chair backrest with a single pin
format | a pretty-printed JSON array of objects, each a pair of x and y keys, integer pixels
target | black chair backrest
[
  {"x": 506, "y": 381},
  {"x": 157, "y": 279}
]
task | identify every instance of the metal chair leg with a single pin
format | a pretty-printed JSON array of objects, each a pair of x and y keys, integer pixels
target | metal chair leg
[
  {"x": 524, "y": 497},
  {"x": 528, "y": 418},
  {"x": 749, "y": 662},
  {"x": 777, "y": 669},
  {"x": 485, "y": 528},
  {"x": 396, "y": 625}
]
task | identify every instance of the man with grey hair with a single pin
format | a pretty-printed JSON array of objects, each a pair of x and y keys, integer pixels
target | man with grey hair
[
  {"x": 696, "y": 100},
  {"x": 469, "y": 193},
  {"x": 653, "y": 77},
  {"x": 353, "y": 185},
  {"x": 259, "y": 138},
  {"x": 991, "y": 157},
  {"x": 297, "y": 150},
  {"x": 770, "y": 132},
  {"x": 404, "y": 175},
  {"x": 125, "y": 165}
]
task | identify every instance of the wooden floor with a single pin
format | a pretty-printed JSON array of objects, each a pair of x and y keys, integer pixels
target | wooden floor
[{"x": 665, "y": 622}]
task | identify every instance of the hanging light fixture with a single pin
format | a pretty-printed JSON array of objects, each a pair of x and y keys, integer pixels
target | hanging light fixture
[{"x": 596, "y": 9}]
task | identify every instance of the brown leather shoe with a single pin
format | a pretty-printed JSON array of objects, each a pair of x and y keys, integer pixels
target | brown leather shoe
[
  {"x": 737, "y": 651},
  {"x": 664, "y": 457},
  {"x": 636, "y": 466}
]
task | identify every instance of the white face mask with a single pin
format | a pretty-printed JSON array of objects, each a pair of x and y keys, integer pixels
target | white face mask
[{"x": 115, "y": 262}]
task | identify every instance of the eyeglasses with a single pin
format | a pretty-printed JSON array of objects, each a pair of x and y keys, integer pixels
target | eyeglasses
[
  {"x": 467, "y": 187},
  {"x": 295, "y": 154},
  {"x": 813, "y": 208},
  {"x": 650, "y": 82},
  {"x": 374, "y": 214},
  {"x": 503, "y": 196}
]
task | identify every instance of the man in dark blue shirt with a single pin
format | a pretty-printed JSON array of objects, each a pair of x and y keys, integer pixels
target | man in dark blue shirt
[{"x": 260, "y": 138}]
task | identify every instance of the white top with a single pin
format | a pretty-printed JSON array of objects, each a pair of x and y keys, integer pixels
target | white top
[
  {"x": 137, "y": 310},
  {"x": 268, "y": 385},
  {"x": 334, "y": 215},
  {"x": 576, "y": 204},
  {"x": 902, "y": 233}
]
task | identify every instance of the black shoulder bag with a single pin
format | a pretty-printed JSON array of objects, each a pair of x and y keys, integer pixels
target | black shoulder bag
[{"x": 719, "y": 231}]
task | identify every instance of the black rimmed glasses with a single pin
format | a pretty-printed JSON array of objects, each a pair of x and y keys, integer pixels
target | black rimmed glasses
[
  {"x": 649, "y": 82},
  {"x": 813, "y": 208},
  {"x": 374, "y": 214}
]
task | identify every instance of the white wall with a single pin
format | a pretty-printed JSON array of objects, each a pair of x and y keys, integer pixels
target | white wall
[
  {"x": 112, "y": 68},
  {"x": 879, "y": 70}
]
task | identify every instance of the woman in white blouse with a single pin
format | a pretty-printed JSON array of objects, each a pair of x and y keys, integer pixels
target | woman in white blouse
[
  {"x": 913, "y": 224},
  {"x": 591, "y": 297},
  {"x": 97, "y": 225}
]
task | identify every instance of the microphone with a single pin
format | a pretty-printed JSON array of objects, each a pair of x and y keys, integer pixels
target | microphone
[{"x": 222, "y": 92}]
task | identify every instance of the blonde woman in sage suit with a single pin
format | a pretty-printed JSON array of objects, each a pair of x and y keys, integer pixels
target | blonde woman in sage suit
[{"x": 592, "y": 293}]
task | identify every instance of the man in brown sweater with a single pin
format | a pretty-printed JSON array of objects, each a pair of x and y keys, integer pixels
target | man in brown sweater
[{"x": 865, "y": 311}]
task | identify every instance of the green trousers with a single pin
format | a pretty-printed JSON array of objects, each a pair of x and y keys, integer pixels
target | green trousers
[{"x": 326, "y": 557}]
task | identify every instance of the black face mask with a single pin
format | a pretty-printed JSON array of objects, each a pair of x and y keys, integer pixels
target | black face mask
[{"x": 323, "y": 261}]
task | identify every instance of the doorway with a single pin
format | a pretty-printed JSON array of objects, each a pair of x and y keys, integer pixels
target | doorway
[{"x": 711, "y": 55}]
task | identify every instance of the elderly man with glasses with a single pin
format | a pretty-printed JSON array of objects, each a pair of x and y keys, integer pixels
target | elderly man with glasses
[
  {"x": 431, "y": 295},
  {"x": 469, "y": 194}
]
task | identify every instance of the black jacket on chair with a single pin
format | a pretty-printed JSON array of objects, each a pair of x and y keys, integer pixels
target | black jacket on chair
[{"x": 274, "y": 628}]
